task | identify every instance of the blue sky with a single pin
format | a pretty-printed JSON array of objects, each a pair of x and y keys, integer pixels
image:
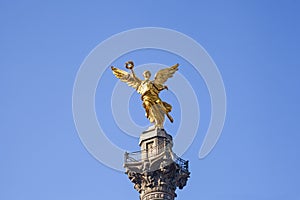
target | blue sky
[{"x": 255, "y": 45}]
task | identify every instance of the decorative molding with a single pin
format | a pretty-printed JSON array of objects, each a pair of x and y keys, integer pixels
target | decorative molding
[{"x": 156, "y": 171}]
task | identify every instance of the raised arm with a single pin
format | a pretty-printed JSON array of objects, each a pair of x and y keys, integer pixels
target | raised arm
[
  {"x": 124, "y": 76},
  {"x": 129, "y": 65}
]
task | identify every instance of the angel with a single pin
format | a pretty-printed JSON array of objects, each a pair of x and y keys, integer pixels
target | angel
[{"x": 155, "y": 108}]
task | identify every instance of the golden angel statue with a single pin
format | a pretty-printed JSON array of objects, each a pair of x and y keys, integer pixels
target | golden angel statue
[{"x": 155, "y": 108}]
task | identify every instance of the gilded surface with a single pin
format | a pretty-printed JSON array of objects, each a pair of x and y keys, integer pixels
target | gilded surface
[{"x": 155, "y": 108}]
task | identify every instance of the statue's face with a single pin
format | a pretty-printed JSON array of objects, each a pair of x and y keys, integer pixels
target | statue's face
[{"x": 146, "y": 75}]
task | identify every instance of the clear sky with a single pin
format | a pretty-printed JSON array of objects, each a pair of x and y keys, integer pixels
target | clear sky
[{"x": 255, "y": 45}]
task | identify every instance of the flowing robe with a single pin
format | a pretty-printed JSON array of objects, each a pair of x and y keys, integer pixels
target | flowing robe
[{"x": 155, "y": 108}]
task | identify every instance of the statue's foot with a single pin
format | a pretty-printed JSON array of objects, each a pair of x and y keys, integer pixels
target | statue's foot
[{"x": 170, "y": 118}]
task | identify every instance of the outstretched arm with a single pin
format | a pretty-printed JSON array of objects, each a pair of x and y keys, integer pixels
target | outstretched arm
[
  {"x": 133, "y": 74},
  {"x": 160, "y": 87},
  {"x": 126, "y": 77},
  {"x": 129, "y": 65}
]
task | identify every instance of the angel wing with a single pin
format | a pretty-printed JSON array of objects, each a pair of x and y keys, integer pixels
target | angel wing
[
  {"x": 162, "y": 75},
  {"x": 126, "y": 77}
]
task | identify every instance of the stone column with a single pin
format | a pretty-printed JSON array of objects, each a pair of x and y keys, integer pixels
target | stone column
[{"x": 156, "y": 171}]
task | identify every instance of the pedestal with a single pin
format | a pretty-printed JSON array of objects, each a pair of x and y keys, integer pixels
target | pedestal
[{"x": 156, "y": 171}]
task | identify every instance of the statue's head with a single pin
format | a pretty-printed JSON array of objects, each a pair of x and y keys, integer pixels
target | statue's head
[{"x": 147, "y": 75}]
